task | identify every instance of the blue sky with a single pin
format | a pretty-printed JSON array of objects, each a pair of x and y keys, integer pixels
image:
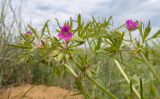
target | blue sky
[{"x": 38, "y": 11}]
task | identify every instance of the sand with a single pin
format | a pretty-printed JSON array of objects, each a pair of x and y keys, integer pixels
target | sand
[{"x": 37, "y": 92}]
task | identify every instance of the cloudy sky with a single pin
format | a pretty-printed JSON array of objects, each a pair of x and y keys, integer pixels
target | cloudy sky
[{"x": 38, "y": 11}]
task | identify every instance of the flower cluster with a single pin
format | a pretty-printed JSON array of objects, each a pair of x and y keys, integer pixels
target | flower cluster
[
  {"x": 132, "y": 25},
  {"x": 28, "y": 33},
  {"x": 65, "y": 33}
]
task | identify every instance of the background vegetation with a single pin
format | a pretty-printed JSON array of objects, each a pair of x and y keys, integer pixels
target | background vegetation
[{"x": 16, "y": 69}]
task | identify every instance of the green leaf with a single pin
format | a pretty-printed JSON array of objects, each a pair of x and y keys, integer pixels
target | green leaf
[
  {"x": 18, "y": 46},
  {"x": 78, "y": 39},
  {"x": 54, "y": 53},
  {"x": 34, "y": 32},
  {"x": 71, "y": 22},
  {"x": 57, "y": 70},
  {"x": 57, "y": 22},
  {"x": 75, "y": 94},
  {"x": 152, "y": 89},
  {"x": 49, "y": 32},
  {"x": 140, "y": 29},
  {"x": 141, "y": 89},
  {"x": 89, "y": 73},
  {"x": 87, "y": 25},
  {"x": 98, "y": 45},
  {"x": 44, "y": 27},
  {"x": 71, "y": 70},
  {"x": 137, "y": 43},
  {"x": 60, "y": 57},
  {"x": 24, "y": 38},
  {"x": 147, "y": 31},
  {"x": 101, "y": 51},
  {"x": 79, "y": 20},
  {"x": 156, "y": 35},
  {"x": 108, "y": 21},
  {"x": 80, "y": 25},
  {"x": 131, "y": 90}
]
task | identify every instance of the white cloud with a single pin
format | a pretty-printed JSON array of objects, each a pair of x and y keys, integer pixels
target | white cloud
[{"x": 41, "y": 10}]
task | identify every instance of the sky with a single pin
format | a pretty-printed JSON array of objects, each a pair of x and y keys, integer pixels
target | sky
[{"x": 38, "y": 11}]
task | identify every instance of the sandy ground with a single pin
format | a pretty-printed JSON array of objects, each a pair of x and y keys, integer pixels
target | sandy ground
[{"x": 37, "y": 92}]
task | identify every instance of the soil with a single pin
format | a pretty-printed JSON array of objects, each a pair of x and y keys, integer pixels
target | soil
[{"x": 37, "y": 92}]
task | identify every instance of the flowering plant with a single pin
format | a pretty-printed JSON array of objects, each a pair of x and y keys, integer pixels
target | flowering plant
[{"x": 75, "y": 44}]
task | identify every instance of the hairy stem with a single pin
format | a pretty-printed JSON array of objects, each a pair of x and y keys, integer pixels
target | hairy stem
[
  {"x": 125, "y": 76},
  {"x": 130, "y": 36},
  {"x": 151, "y": 67},
  {"x": 101, "y": 87}
]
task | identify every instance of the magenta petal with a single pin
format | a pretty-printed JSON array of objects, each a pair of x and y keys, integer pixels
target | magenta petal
[
  {"x": 131, "y": 25},
  {"x": 61, "y": 35},
  {"x": 70, "y": 34},
  {"x": 68, "y": 37},
  {"x": 65, "y": 36},
  {"x": 28, "y": 33},
  {"x": 65, "y": 33},
  {"x": 135, "y": 24},
  {"x": 65, "y": 28}
]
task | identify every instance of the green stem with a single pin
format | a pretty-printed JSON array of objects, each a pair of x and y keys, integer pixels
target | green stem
[
  {"x": 125, "y": 76},
  {"x": 101, "y": 87},
  {"x": 150, "y": 66},
  {"x": 80, "y": 84},
  {"x": 130, "y": 36},
  {"x": 89, "y": 45}
]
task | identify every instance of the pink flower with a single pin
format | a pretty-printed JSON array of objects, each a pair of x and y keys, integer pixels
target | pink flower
[
  {"x": 131, "y": 25},
  {"x": 28, "y": 33},
  {"x": 65, "y": 28},
  {"x": 65, "y": 33}
]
